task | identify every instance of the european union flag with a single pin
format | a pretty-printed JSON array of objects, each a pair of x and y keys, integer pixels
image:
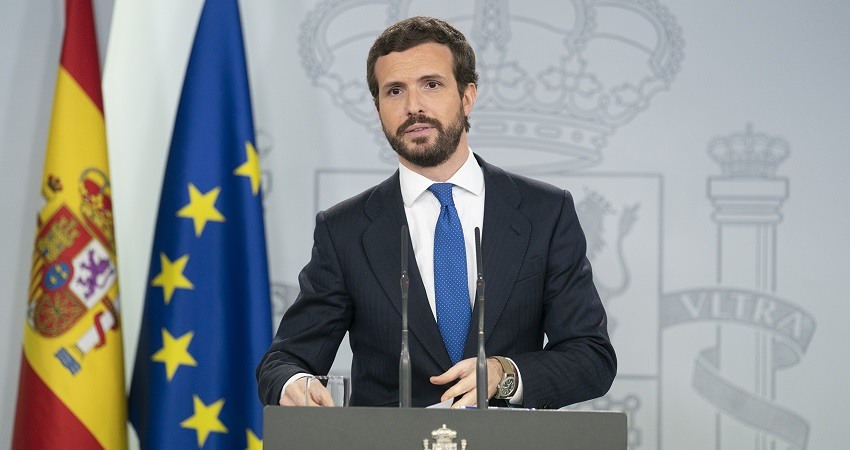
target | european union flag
[{"x": 207, "y": 315}]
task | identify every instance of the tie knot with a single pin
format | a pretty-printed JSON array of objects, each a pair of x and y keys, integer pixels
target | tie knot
[{"x": 443, "y": 192}]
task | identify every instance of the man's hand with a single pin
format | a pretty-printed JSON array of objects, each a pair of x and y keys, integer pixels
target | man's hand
[
  {"x": 296, "y": 394},
  {"x": 464, "y": 371}
]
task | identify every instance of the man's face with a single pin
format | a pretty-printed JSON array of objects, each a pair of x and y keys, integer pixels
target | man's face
[{"x": 421, "y": 112}]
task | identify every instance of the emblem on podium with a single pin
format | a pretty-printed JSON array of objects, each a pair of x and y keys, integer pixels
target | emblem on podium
[{"x": 443, "y": 439}]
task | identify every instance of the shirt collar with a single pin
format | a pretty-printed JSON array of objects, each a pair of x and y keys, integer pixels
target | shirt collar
[{"x": 469, "y": 177}]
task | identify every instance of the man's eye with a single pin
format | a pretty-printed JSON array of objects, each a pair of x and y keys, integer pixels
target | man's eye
[
  {"x": 432, "y": 84},
  {"x": 394, "y": 91}
]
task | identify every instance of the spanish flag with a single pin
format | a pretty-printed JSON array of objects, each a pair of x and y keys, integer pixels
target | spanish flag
[{"x": 71, "y": 390}]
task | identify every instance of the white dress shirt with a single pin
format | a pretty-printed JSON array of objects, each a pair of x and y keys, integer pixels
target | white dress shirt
[{"x": 423, "y": 209}]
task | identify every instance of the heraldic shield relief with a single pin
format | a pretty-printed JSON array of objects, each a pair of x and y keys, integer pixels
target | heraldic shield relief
[{"x": 74, "y": 274}]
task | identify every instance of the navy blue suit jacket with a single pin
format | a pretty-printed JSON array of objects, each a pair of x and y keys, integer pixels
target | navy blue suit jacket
[{"x": 538, "y": 281}]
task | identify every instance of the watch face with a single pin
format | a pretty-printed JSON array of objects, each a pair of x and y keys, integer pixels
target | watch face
[{"x": 506, "y": 387}]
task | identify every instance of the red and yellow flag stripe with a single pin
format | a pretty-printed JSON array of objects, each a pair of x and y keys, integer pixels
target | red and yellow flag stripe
[{"x": 71, "y": 391}]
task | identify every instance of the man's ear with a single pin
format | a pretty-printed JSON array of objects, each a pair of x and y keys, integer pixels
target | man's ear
[{"x": 468, "y": 98}]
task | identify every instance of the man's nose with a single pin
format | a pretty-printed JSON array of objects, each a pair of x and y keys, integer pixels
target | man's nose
[{"x": 415, "y": 104}]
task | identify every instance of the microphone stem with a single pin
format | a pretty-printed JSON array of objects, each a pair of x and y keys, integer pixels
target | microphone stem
[
  {"x": 481, "y": 374},
  {"x": 404, "y": 376},
  {"x": 404, "y": 372},
  {"x": 481, "y": 363}
]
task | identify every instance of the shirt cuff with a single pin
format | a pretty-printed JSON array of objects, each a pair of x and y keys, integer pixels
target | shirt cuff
[{"x": 517, "y": 397}]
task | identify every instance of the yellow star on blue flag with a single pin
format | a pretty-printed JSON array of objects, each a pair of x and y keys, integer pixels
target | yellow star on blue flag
[
  {"x": 205, "y": 419},
  {"x": 201, "y": 208}
]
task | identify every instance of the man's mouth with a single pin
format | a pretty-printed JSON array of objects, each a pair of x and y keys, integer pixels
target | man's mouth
[
  {"x": 417, "y": 129},
  {"x": 417, "y": 126}
]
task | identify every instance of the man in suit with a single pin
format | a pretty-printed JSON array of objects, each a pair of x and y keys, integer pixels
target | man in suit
[{"x": 421, "y": 72}]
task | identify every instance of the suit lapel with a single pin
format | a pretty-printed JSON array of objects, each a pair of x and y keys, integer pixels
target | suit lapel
[
  {"x": 382, "y": 244},
  {"x": 504, "y": 242}
]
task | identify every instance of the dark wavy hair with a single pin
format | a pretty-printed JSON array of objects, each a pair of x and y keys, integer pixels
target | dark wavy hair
[{"x": 411, "y": 32}]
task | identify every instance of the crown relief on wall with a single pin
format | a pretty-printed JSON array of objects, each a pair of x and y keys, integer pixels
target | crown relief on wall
[{"x": 582, "y": 69}]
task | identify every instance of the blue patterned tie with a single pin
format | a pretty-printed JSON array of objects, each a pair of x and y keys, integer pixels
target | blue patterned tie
[{"x": 450, "y": 279}]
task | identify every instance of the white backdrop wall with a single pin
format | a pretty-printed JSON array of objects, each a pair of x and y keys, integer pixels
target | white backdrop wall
[{"x": 705, "y": 144}]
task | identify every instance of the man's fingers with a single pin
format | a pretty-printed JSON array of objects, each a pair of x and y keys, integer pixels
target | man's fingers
[
  {"x": 464, "y": 372},
  {"x": 459, "y": 370},
  {"x": 447, "y": 376},
  {"x": 296, "y": 394},
  {"x": 469, "y": 399},
  {"x": 321, "y": 397},
  {"x": 462, "y": 387}
]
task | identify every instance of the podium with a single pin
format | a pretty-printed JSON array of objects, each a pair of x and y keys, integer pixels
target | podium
[{"x": 301, "y": 427}]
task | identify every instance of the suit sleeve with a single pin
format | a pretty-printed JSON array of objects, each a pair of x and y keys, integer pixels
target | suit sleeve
[
  {"x": 578, "y": 362},
  {"x": 313, "y": 327}
]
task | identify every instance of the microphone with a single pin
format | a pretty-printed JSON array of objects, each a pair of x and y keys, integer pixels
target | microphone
[
  {"x": 404, "y": 360},
  {"x": 481, "y": 363}
]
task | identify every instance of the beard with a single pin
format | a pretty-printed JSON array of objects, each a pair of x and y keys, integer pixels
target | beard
[{"x": 444, "y": 146}]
